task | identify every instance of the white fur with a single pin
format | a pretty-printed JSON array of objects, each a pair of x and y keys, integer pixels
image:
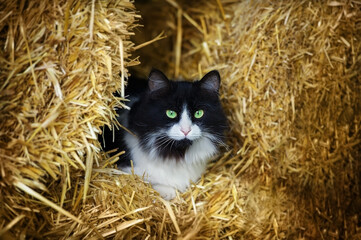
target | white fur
[{"x": 167, "y": 175}]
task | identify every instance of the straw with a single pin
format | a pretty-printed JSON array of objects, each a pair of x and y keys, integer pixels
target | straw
[{"x": 290, "y": 89}]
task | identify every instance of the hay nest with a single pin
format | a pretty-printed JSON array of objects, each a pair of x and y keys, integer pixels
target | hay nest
[{"x": 291, "y": 90}]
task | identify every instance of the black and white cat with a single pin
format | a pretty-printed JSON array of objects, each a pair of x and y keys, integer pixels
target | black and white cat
[{"x": 177, "y": 125}]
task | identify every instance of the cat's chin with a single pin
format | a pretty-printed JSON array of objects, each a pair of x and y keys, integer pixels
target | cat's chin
[
  {"x": 182, "y": 144},
  {"x": 176, "y": 149}
]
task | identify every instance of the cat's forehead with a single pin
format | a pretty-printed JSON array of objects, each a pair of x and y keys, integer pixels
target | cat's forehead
[
  {"x": 182, "y": 87},
  {"x": 181, "y": 93},
  {"x": 184, "y": 94}
]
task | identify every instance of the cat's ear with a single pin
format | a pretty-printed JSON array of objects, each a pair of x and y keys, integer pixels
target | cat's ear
[
  {"x": 157, "y": 81},
  {"x": 211, "y": 81}
]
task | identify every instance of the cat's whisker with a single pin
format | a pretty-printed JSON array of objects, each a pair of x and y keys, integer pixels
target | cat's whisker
[
  {"x": 167, "y": 143},
  {"x": 217, "y": 139},
  {"x": 172, "y": 144},
  {"x": 163, "y": 143},
  {"x": 170, "y": 141}
]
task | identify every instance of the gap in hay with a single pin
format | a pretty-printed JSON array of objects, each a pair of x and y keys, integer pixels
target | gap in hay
[{"x": 154, "y": 21}]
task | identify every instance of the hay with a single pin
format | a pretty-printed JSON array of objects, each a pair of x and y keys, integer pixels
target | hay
[
  {"x": 291, "y": 90},
  {"x": 60, "y": 65}
]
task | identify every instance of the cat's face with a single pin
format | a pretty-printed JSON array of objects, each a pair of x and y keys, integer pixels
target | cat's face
[{"x": 173, "y": 116}]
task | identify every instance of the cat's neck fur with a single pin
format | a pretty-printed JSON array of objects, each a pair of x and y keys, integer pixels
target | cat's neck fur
[{"x": 167, "y": 174}]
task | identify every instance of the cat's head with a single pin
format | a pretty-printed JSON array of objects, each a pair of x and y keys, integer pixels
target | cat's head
[{"x": 173, "y": 117}]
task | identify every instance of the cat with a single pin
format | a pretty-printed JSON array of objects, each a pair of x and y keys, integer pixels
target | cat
[{"x": 175, "y": 128}]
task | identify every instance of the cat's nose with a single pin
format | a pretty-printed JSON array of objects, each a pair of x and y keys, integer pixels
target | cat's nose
[{"x": 185, "y": 131}]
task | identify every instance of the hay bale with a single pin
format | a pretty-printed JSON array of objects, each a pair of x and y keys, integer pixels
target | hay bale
[
  {"x": 60, "y": 64},
  {"x": 300, "y": 98}
]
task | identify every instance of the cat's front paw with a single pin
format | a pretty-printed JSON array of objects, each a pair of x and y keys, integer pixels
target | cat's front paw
[{"x": 167, "y": 192}]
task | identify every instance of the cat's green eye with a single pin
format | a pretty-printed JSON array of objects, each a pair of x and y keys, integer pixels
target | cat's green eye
[
  {"x": 171, "y": 114},
  {"x": 199, "y": 114}
]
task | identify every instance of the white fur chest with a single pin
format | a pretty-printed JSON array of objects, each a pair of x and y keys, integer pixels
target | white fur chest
[{"x": 167, "y": 175}]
